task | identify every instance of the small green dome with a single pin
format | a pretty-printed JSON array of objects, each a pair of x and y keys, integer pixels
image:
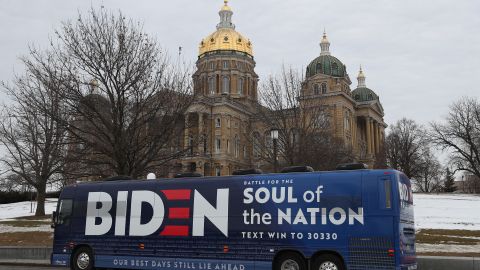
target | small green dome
[
  {"x": 363, "y": 94},
  {"x": 328, "y": 65}
]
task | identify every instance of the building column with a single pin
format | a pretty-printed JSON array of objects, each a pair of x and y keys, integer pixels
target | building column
[
  {"x": 351, "y": 131},
  {"x": 369, "y": 136},
  {"x": 355, "y": 143},
  {"x": 187, "y": 131},
  {"x": 200, "y": 133},
  {"x": 372, "y": 125},
  {"x": 379, "y": 140}
]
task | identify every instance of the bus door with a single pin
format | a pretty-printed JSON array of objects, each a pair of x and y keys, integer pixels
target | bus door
[{"x": 62, "y": 217}]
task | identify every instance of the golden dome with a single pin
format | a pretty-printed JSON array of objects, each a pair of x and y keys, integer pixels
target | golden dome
[{"x": 225, "y": 38}]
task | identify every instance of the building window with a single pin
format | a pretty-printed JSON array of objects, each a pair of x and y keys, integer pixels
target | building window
[
  {"x": 225, "y": 64},
  {"x": 316, "y": 89},
  {"x": 218, "y": 122},
  {"x": 218, "y": 171},
  {"x": 218, "y": 145},
  {"x": 334, "y": 69},
  {"x": 226, "y": 85},
  {"x": 237, "y": 146},
  {"x": 212, "y": 65},
  {"x": 240, "y": 86},
  {"x": 211, "y": 85},
  {"x": 245, "y": 152},
  {"x": 347, "y": 121},
  {"x": 319, "y": 68},
  {"x": 256, "y": 145},
  {"x": 205, "y": 148},
  {"x": 190, "y": 144},
  {"x": 324, "y": 88},
  {"x": 228, "y": 146}
]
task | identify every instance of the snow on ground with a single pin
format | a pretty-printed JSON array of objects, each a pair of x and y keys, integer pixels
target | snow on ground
[
  {"x": 447, "y": 211},
  {"x": 22, "y": 209},
  {"x": 11, "y": 229},
  {"x": 447, "y": 248}
]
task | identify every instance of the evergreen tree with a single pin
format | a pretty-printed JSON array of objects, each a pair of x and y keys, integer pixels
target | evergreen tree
[{"x": 449, "y": 184}]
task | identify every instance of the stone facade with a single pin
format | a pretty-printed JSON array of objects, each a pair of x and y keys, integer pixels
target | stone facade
[{"x": 219, "y": 123}]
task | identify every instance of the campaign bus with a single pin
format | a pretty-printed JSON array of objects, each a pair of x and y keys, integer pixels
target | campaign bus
[{"x": 336, "y": 220}]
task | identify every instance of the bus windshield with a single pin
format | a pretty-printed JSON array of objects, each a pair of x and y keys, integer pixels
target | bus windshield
[{"x": 406, "y": 197}]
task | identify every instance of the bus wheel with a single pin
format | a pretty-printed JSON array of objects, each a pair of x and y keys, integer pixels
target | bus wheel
[
  {"x": 83, "y": 259},
  {"x": 289, "y": 261},
  {"x": 328, "y": 262}
]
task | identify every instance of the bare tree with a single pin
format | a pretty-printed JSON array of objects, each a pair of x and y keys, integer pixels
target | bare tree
[
  {"x": 125, "y": 99},
  {"x": 449, "y": 182},
  {"x": 429, "y": 178},
  {"x": 34, "y": 141},
  {"x": 404, "y": 147},
  {"x": 305, "y": 135},
  {"x": 460, "y": 134}
]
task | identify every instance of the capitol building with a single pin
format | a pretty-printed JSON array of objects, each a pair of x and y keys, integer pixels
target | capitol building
[{"x": 220, "y": 122}]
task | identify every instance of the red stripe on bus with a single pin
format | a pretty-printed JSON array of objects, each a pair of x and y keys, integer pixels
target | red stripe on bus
[
  {"x": 173, "y": 230},
  {"x": 178, "y": 212},
  {"x": 177, "y": 194}
]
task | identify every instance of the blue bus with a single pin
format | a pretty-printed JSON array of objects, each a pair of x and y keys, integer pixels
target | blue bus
[{"x": 337, "y": 220}]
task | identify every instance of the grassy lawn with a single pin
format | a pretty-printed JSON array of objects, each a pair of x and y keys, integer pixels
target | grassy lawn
[
  {"x": 26, "y": 239},
  {"x": 23, "y": 234},
  {"x": 445, "y": 239}
]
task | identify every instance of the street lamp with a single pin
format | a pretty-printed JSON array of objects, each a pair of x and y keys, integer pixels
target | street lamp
[{"x": 274, "y": 135}]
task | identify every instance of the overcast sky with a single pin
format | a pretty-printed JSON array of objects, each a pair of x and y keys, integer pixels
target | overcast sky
[{"x": 418, "y": 56}]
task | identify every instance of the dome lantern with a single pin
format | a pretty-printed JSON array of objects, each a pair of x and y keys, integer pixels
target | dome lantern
[
  {"x": 325, "y": 45},
  {"x": 225, "y": 17},
  {"x": 361, "y": 79}
]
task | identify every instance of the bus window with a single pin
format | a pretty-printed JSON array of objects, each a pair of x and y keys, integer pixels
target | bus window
[
  {"x": 65, "y": 212},
  {"x": 388, "y": 193},
  {"x": 385, "y": 193}
]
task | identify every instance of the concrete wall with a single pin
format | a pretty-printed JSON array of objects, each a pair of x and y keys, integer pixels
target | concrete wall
[
  {"x": 27, "y": 253},
  {"x": 441, "y": 263}
]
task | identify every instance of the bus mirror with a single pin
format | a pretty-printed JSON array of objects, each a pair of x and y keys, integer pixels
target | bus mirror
[{"x": 54, "y": 219}]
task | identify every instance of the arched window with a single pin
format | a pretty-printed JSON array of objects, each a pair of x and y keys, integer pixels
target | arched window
[
  {"x": 240, "y": 86},
  {"x": 226, "y": 85},
  {"x": 211, "y": 85},
  {"x": 324, "y": 88},
  {"x": 334, "y": 69},
  {"x": 319, "y": 68},
  {"x": 316, "y": 89}
]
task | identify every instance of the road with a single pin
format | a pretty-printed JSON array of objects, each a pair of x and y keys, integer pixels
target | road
[{"x": 11, "y": 267}]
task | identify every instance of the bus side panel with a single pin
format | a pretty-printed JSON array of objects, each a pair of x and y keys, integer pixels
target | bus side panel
[
  {"x": 260, "y": 216},
  {"x": 369, "y": 245}
]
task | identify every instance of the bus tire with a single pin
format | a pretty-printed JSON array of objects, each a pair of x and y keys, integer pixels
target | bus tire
[
  {"x": 83, "y": 259},
  {"x": 289, "y": 261},
  {"x": 328, "y": 261}
]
